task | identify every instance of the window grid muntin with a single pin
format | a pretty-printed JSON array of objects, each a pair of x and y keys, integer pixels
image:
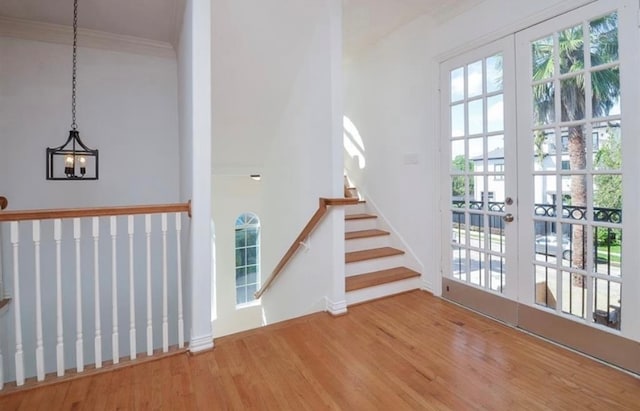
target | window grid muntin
[
  {"x": 462, "y": 245},
  {"x": 591, "y": 276},
  {"x": 248, "y": 226}
]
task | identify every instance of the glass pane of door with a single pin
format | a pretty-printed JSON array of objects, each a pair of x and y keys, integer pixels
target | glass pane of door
[
  {"x": 575, "y": 155},
  {"x": 478, "y": 172}
]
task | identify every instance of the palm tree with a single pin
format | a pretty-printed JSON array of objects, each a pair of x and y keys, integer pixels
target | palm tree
[{"x": 605, "y": 86}]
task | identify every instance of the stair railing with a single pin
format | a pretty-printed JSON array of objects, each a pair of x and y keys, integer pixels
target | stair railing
[
  {"x": 306, "y": 231},
  {"x": 42, "y": 303}
]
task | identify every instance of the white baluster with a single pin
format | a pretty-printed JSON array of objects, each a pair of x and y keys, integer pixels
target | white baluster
[
  {"x": 114, "y": 292},
  {"x": 19, "y": 356},
  {"x": 147, "y": 227},
  {"x": 57, "y": 236},
  {"x": 39, "y": 344},
  {"x": 132, "y": 300},
  {"x": 179, "y": 261},
  {"x": 165, "y": 309},
  {"x": 96, "y": 292},
  {"x": 1, "y": 369},
  {"x": 79, "y": 338}
]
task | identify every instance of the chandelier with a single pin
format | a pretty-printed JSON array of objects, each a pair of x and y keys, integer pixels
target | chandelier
[{"x": 73, "y": 160}]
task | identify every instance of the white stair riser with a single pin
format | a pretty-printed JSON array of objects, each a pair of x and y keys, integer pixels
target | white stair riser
[
  {"x": 360, "y": 208},
  {"x": 382, "y": 290},
  {"x": 375, "y": 264},
  {"x": 361, "y": 224},
  {"x": 358, "y": 244}
]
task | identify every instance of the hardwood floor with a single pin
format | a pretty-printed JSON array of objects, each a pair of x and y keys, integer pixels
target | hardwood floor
[{"x": 410, "y": 351}]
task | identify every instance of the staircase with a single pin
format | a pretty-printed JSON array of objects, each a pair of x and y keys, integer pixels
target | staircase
[{"x": 375, "y": 267}]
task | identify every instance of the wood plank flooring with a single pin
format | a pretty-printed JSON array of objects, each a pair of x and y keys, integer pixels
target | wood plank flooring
[{"x": 411, "y": 351}]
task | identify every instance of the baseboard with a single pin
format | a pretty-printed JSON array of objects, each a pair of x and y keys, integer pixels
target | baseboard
[
  {"x": 199, "y": 344},
  {"x": 336, "y": 308},
  {"x": 426, "y": 284}
]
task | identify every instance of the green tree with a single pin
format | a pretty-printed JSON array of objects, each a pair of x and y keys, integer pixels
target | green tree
[
  {"x": 605, "y": 88},
  {"x": 458, "y": 182},
  {"x": 608, "y": 192}
]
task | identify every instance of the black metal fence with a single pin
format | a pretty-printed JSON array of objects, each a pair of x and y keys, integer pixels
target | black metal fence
[{"x": 606, "y": 242}]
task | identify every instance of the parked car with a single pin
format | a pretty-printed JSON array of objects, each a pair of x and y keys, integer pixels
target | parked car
[{"x": 548, "y": 244}]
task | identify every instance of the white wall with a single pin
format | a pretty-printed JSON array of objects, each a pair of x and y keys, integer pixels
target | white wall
[
  {"x": 258, "y": 46},
  {"x": 126, "y": 108},
  {"x": 273, "y": 74},
  {"x": 391, "y": 95},
  {"x": 299, "y": 169},
  {"x": 237, "y": 195}
]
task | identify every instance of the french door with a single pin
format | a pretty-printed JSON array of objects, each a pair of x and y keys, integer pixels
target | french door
[
  {"x": 535, "y": 187},
  {"x": 482, "y": 170}
]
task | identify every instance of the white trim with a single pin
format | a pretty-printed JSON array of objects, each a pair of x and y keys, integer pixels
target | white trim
[
  {"x": 629, "y": 35},
  {"x": 179, "y": 7},
  {"x": 252, "y": 303},
  {"x": 426, "y": 284},
  {"x": 550, "y": 12},
  {"x": 198, "y": 344},
  {"x": 198, "y": 21},
  {"x": 59, "y": 34},
  {"x": 336, "y": 307}
]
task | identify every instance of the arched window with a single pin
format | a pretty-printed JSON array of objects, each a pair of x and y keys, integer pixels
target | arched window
[{"x": 247, "y": 257}]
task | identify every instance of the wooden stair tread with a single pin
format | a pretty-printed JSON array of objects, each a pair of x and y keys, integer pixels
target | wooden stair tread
[
  {"x": 355, "y": 256},
  {"x": 352, "y": 235},
  {"x": 372, "y": 279},
  {"x": 361, "y": 216}
]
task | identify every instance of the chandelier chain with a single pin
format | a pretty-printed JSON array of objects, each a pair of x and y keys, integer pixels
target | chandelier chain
[{"x": 74, "y": 126}]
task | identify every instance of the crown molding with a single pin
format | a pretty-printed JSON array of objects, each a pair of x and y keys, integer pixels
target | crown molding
[
  {"x": 55, "y": 33},
  {"x": 178, "y": 16}
]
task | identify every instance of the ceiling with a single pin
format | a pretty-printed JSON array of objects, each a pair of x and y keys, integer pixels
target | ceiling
[
  {"x": 150, "y": 19},
  {"x": 365, "y": 21}
]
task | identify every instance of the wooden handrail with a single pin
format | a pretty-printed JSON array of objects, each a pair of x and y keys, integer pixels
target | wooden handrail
[
  {"x": 306, "y": 231},
  {"x": 61, "y": 213}
]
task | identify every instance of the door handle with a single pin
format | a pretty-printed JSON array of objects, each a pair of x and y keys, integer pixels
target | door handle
[{"x": 508, "y": 218}]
